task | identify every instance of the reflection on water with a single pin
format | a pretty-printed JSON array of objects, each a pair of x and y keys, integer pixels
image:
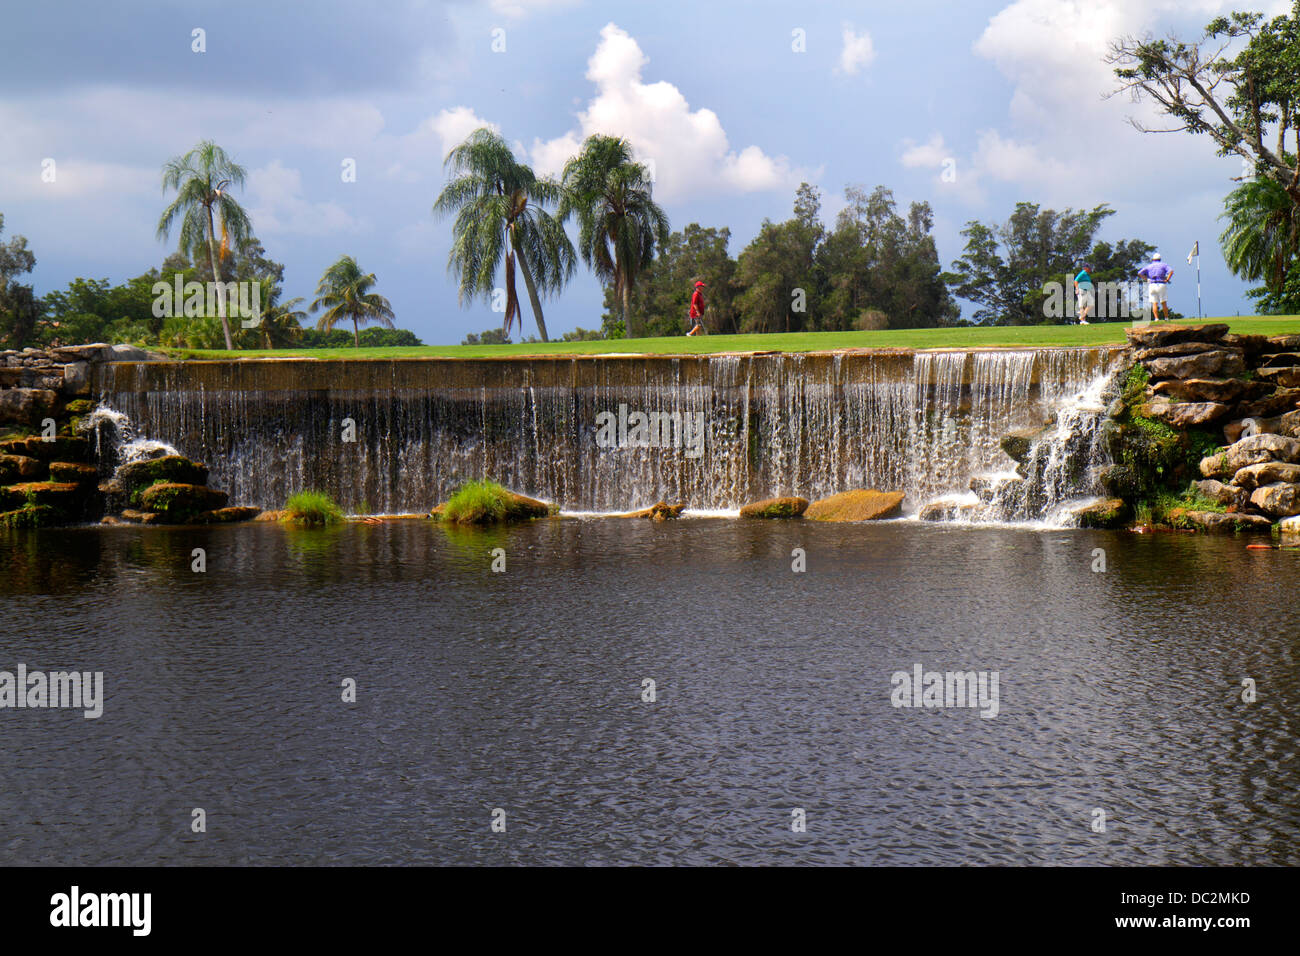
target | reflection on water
[{"x": 523, "y": 690}]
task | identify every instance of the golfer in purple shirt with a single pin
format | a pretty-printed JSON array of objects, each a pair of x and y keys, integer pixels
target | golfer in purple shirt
[{"x": 1158, "y": 276}]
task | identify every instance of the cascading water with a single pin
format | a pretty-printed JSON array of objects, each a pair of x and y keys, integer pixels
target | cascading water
[{"x": 925, "y": 423}]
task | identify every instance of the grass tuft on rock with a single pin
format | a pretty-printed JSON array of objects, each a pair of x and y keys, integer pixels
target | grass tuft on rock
[
  {"x": 486, "y": 502},
  {"x": 312, "y": 508}
]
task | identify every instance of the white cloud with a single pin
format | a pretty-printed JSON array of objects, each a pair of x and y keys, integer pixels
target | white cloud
[
  {"x": 517, "y": 9},
  {"x": 931, "y": 153},
  {"x": 1063, "y": 140},
  {"x": 857, "y": 52},
  {"x": 277, "y": 205},
  {"x": 688, "y": 148},
  {"x": 453, "y": 125}
]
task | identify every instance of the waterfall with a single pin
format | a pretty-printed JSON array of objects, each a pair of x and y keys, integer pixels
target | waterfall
[{"x": 926, "y": 423}]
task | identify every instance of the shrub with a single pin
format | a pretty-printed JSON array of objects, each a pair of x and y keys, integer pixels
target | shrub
[
  {"x": 312, "y": 508},
  {"x": 477, "y": 502}
]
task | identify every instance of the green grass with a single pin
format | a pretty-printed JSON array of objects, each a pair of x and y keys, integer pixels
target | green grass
[
  {"x": 476, "y": 502},
  {"x": 1110, "y": 333},
  {"x": 312, "y": 508}
]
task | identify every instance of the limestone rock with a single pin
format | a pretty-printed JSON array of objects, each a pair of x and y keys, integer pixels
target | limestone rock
[
  {"x": 1284, "y": 343},
  {"x": 176, "y": 501},
  {"x": 1154, "y": 336},
  {"x": 1181, "y": 348},
  {"x": 31, "y": 516},
  {"x": 1286, "y": 376},
  {"x": 1106, "y": 513},
  {"x": 1282, "y": 400},
  {"x": 1218, "y": 522},
  {"x": 948, "y": 509},
  {"x": 26, "y": 406},
  {"x": 1185, "y": 414},
  {"x": 857, "y": 505},
  {"x": 1228, "y": 495},
  {"x": 1252, "y": 345},
  {"x": 226, "y": 515},
  {"x": 140, "y": 517},
  {"x": 1209, "y": 389},
  {"x": 135, "y": 476},
  {"x": 1221, "y": 363},
  {"x": 657, "y": 512},
  {"x": 1017, "y": 443},
  {"x": 1251, "y": 451},
  {"x": 73, "y": 471},
  {"x": 58, "y": 448},
  {"x": 1279, "y": 500},
  {"x": 21, "y": 468},
  {"x": 792, "y": 507},
  {"x": 1265, "y": 473}
]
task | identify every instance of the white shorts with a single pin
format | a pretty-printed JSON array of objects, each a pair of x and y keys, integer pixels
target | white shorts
[
  {"x": 1085, "y": 299},
  {"x": 1156, "y": 293}
]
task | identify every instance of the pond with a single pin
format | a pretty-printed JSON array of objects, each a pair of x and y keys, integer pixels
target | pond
[{"x": 629, "y": 692}]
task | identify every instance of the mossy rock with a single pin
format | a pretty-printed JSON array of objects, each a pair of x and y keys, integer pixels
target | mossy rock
[
  {"x": 74, "y": 472},
  {"x": 1107, "y": 513},
  {"x": 79, "y": 406},
  {"x": 489, "y": 503},
  {"x": 58, "y": 448},
  {"x": 1216, "y": 522},
  {"x": 857, "y": 505},
  {"x": 32, "y": 516},
  {"x": 792, "y": 507},
  {"x": 134, "y": 477},
  {"x": 65, "y": 496},
  {"x": 659, "y": 511},
  {"x": 179, "y": 502},
  {"x": 14, "y": 468},
  {"x": 227, "y": 515}
]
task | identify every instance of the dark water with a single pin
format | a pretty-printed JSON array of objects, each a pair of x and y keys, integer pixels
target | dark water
[{"x": 522, "y": 691}]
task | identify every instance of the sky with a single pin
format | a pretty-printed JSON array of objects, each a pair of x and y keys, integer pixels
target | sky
[{"x": 732, "y": 105}]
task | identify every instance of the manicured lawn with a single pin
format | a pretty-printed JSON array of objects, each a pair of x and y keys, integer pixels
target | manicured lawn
[{"x": 1031, "y": 336}]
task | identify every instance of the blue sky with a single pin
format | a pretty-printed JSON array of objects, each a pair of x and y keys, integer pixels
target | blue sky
[{"x": 732, "y": 116}]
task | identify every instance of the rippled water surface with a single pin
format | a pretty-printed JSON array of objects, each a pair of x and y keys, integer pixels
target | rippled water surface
[{"x": 522, "y": 690}]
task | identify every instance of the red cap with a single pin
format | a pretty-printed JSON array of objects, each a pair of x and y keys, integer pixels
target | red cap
[{"x": 698, "y": 284}]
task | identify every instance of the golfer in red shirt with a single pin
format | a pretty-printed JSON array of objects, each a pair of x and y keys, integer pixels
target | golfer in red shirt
[{"x": 697, "y": 309}]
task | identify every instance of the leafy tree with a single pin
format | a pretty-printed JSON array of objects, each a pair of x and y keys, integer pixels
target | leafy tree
[
  {"x": 486, "y": 337},
  {"x": 659, "y": 303},
  {"x": 1005, "y": 270},
  {"x": 344, "y": 293},
  {"x": 1261, "y": 239},
  {"x": 202, "y": 179},
  {"x": 1237, "y": 100},
  {"x": 619, "y": 224},
  {"x": 281, "y": 324},
  {"x": 875, "y": 261},
  {"x": 497, "y": 203},
  {"x": 778, "y": 273},
  {"x": 19, "y": 307}
]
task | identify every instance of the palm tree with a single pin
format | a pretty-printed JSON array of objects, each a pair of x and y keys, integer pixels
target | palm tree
[
  {"x": 344, "y": 293},
  {"x": 497, "y": 202},
  {"x": 619, "y": 223},
  {"x": 1263, "y": 231},
  {"x": 281, "y": 321},
  {"x": 202, "y": 179}
]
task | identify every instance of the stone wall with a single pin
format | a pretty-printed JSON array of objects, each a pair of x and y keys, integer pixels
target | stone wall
[
  {"x": 48, "y": 471},
  {"x": 1212, "y": 417}
]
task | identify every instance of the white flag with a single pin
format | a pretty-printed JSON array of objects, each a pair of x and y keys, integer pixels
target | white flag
[{"x": 1196, "y": 251}]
